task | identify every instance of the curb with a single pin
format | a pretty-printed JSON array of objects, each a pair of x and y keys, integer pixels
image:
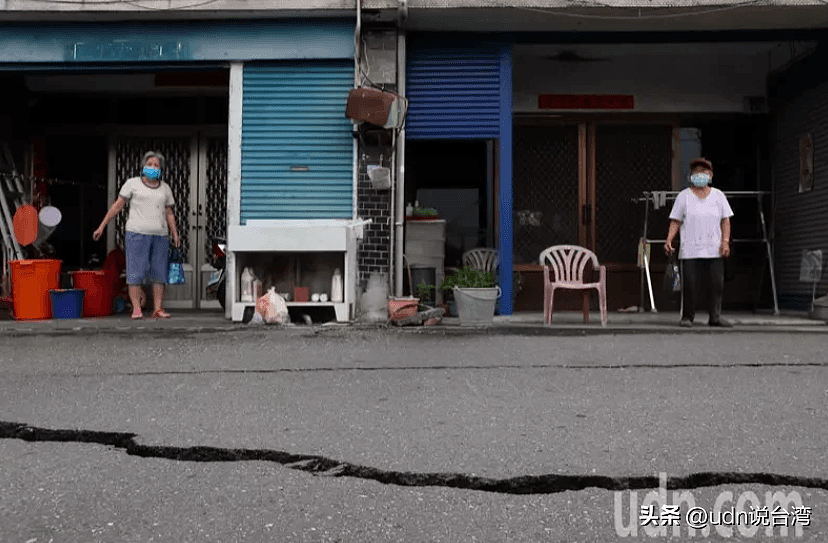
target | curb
[{"x": 452, "y": 330}]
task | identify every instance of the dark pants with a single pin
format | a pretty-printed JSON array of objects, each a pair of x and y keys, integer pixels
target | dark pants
[{"x": 694, "y": 271}]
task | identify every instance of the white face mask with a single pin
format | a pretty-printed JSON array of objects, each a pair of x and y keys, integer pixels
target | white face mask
[{"x": 700, "y": 179}]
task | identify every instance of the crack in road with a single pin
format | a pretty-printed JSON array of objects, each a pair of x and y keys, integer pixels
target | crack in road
[
  {"x": 151, "y": 373},
  {"x": 320, "y": 465}
]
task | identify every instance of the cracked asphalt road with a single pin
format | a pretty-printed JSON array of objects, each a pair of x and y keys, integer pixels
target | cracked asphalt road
[{"x": 366, "y": 435}]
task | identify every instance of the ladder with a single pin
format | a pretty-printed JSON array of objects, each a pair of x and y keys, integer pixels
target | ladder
[{"x": 11, "y": 197}]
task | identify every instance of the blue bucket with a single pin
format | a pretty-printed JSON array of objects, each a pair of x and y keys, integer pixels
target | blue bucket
[{"x": 67, "y": 303}]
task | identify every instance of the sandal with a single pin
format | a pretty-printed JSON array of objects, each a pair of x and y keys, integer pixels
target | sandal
[
  {"x": 161, "y": 314},
  {"x": 137, "y": 316}
]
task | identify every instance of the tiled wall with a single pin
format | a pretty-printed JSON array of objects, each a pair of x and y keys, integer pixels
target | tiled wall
[{"x": 374, "y": 252}]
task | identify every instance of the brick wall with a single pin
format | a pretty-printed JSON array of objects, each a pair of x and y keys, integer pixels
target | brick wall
[{"x": 373, "y": 252}]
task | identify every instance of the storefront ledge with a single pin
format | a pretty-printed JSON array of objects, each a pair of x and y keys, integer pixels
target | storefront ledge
[{"x": 564, "y": 323}]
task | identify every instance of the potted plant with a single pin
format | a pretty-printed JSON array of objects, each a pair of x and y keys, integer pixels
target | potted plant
[
  {"x": 475, "y": 294},
  {"x": 424, "y": 294}
]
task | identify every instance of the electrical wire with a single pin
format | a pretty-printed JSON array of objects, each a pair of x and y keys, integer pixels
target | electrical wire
[
  {"x": 364, "y": 60},
  {"x": 127, "y": 2},
  {"x": 643, "y": 17},
  {"x": 77, "y": 3},
  {"x": 199, "y": 4}
]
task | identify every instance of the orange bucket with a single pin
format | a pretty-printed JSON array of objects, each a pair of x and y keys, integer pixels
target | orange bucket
[{"x": 31, "y": 282}]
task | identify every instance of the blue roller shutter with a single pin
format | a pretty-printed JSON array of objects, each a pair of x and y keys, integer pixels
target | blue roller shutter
[
  {"x": 297, "y": 144},
  {"x": 453, "y": 91}
]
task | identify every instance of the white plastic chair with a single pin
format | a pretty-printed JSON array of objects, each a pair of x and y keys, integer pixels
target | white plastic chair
[{"x": 481, "y": 258}]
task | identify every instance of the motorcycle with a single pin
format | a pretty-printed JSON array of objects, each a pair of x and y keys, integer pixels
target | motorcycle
[{"x": 217, "y": 284}]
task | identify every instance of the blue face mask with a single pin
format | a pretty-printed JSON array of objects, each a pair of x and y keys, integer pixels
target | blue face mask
[
  {"x": 700, "y": 179},
  {"x": 151, "y": 173}
]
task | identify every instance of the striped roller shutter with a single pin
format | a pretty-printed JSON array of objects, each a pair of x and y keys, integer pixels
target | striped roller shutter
[
  {"x": 453, "y": 91},
  {"x": 297, "y": 144}
]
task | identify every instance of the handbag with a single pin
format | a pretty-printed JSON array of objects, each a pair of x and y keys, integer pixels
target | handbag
[
  {"x": 672, "y": 275},
  {"x": 176, "y": 268}
]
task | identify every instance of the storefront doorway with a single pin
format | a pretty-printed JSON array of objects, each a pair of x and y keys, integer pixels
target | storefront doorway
[
  {"x": 107, "y": 121},
  {"x": 456, "y": 178},
  {"x": 196, "y": 170},
  {"x": 576, "y": 182}
]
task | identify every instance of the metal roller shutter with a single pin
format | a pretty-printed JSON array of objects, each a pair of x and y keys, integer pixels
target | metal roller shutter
[
  {"x": 453, "y": 91},
  {"x": 297, "y": 144},
  {"x": 801, "y": 218}
]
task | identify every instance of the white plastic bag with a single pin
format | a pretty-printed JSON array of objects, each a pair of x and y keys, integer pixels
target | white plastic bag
[
  {"x": 272, "y": 308},
  {"x": 257, "y": 320}
]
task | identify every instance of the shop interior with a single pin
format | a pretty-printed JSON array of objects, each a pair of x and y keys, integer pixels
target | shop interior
[
  {"x": 454, "y": 177},
  {"x": 60, "y": 129}
]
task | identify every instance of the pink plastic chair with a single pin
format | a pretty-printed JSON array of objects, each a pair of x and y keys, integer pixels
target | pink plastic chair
[{"x": 568, "y": 263}]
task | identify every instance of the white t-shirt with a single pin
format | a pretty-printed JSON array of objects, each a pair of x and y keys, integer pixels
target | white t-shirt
[
  {"x": 701, "y": 219},
  {"x": 147, "y": 207}
]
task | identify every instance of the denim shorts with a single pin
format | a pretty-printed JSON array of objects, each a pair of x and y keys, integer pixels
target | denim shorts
[{"x": 146, "y": 258}]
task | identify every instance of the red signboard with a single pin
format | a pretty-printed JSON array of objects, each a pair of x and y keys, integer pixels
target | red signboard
[{"x": 586, "y": 101}]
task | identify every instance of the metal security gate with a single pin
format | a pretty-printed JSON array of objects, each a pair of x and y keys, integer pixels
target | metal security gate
[
  {"x": 297, "y": 144},
  {"x": 453, "y": 91},
  {"x": 462, "y": 89},
  {"x": 575, "y": 184},
  {"x": 628, "y": 160},
  {"x": 196, "y": 170},
  {"x": 546, "y": 189}
]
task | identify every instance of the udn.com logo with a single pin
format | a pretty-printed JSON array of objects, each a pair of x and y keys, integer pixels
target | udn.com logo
[{"x": 661, "y": 514}]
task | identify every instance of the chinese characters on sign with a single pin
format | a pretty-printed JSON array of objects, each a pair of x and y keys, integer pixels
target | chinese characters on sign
[{"x": 128, "y": 50}]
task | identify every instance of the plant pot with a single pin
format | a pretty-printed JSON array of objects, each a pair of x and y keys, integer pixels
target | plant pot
[
  {"x": 476, "y": 306},
  {"x": 402, "y": 308}
]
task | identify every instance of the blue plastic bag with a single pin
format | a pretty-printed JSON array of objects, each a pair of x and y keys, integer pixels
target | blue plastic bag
[{"x": 176, "y": 270}]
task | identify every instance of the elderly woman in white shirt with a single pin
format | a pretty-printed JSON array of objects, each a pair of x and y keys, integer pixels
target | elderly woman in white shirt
[
  {"x": 149, "y": 223},
  {"x": 702, "y": 214}
]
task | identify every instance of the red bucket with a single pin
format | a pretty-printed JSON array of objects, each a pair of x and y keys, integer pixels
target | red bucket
[
  {"x": 31, "y": 282},
  {"x": 99, "y": 292}
]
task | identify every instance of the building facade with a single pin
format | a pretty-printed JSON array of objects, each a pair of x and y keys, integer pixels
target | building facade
[{"x": 529, "y": 124}]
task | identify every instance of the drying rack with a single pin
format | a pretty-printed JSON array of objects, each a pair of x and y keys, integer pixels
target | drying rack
[{"x": 659, "y": 199}]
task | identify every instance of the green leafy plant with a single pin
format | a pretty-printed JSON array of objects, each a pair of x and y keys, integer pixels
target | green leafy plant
[
  {"x": 423, "y": 292},
  {"x": 468, "y": 277},
  {"x": 425, "y": 212}
]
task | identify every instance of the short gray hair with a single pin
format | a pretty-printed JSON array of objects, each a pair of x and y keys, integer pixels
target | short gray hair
[{"x": 150, "y": 154}]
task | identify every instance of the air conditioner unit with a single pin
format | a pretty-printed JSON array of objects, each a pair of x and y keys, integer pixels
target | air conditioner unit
[{"x": 376, "y": 107}]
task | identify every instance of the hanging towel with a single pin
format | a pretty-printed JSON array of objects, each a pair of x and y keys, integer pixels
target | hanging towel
[{"x": 657, "y": 202}]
